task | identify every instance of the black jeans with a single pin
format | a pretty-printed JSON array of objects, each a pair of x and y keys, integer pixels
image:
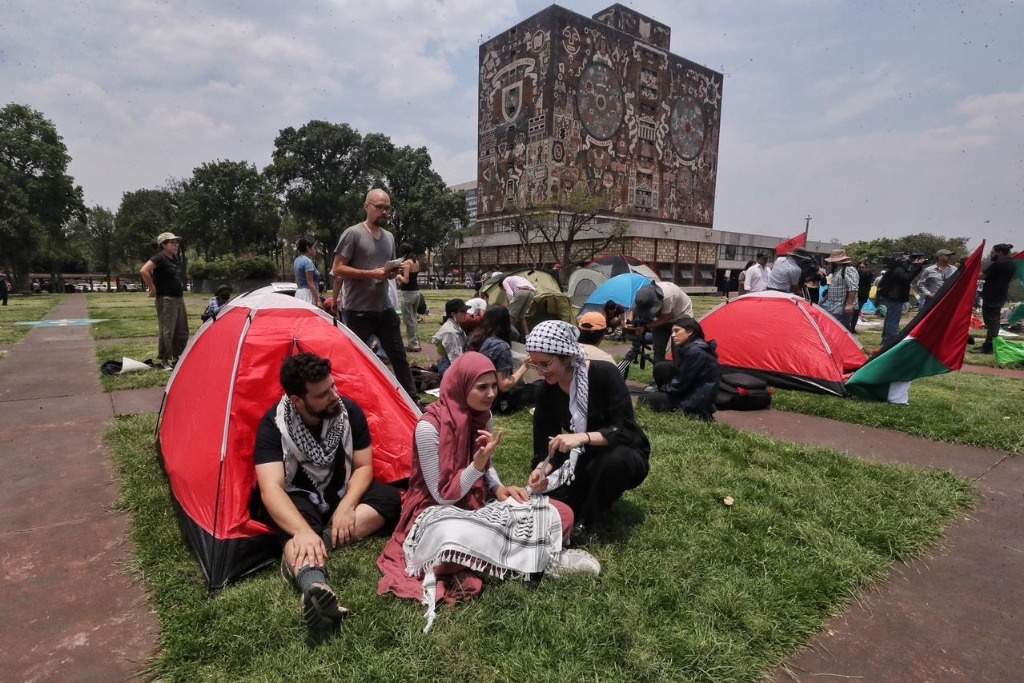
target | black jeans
[
  {"x": 990, "y": 316},
  {"x": 387, "y": 327},
  {"x": 601, "y": 479},
  {"x": 660, "y": 337}
]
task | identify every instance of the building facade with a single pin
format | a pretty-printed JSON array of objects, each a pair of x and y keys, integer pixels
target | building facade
[
  {"x": 600, "y": 103},
  {"x": 568, "y": 101}
]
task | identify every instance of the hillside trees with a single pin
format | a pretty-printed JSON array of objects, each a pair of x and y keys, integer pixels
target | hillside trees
[
  {"x": 142, "y": 216},
  {"x": 37, "y": 196},
  {"x": 876, "y": 251},
  {"x": 228, "y": 207}
]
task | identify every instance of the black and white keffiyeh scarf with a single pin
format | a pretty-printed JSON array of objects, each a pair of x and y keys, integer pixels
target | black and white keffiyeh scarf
[
  {"x": 504, "y": 539},
  {"x": 316, "y": 457},
  {"x": 559, "y": 338}
]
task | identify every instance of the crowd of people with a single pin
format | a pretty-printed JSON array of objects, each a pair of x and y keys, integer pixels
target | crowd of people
[{"x": 458, "y": 522}]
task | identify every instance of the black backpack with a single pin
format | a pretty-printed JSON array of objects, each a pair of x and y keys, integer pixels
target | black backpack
[
  {"x": 425, "y": 378},
  {"x": 739, "y": 391}
]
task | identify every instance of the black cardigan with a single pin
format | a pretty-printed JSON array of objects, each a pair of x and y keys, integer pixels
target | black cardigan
[{"x": 609, "y": 411}]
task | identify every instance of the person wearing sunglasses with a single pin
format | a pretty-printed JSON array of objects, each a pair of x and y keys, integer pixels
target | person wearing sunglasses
[{"x": 162, "y": 275}]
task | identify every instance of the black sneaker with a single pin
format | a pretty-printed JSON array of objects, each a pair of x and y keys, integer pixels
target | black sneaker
[
  {"x": 982, "y": 350},
  {"x": 320, "y": 608}
]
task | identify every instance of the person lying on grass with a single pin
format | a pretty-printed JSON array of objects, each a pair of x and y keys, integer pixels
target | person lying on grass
[
  {"x": 458, "y": 520},
  {"x": 689, "y": 382},
  {"x": 314, "y": 465},
  {"x": 588, "y": 448}
]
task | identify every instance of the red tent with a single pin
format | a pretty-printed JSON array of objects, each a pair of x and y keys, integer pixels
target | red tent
[
  {"x": 224, "y": 383},
  {"x": 785, "y": 340}
]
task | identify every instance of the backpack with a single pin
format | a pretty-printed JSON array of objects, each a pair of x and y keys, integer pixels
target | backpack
[
  {"x": 739, "y": 391},
  {"x": 424, "y": 378}
]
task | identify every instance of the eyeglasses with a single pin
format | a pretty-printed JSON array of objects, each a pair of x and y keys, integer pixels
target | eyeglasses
[
  {"x": 381, "y": 207},
  {"x": 542, "y": 366},
  {"x": 173, "y": 242}
]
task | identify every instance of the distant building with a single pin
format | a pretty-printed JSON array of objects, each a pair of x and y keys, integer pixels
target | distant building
[{"x": 567, "y": 101}]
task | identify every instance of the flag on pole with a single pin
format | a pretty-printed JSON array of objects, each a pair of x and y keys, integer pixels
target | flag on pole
[
  {"x": 792, "y": 243},
  {"x": 931, "y": 345}
]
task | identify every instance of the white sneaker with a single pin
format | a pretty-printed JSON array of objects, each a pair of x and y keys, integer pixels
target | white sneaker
[{"x": 574, "y": 561}]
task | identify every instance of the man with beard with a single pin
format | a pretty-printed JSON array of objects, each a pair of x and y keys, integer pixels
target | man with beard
[
  {"x": 996, "y": 278},
  {"x": 314, "y": 466},
  {"x": 365, "y": 261}
]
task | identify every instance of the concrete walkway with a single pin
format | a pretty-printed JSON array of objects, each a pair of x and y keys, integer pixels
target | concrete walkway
[{"x": 72, "y": 608}]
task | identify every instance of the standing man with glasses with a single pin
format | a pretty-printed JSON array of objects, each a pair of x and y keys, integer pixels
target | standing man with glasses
[
  {"x": 162, "y": 275},
  {"x": 365, "y": 260}
]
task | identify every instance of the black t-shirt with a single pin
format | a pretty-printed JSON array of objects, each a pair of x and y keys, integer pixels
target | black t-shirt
[
  {"x": 998, "y": 276},
  {"x": 268, "y": 446},
  {"x": 167, "y": 276}
]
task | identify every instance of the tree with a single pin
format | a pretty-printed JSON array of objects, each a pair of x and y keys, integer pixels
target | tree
[
  {"x": 323, "y": 171},
  {"x": 228, "y": 207},
  {"x": 876, "y": 251},
  {"x": 37, "y": 196},
  {"x": 426, "y": 211},
  {"x": 142, "y": 216},
  {"x": 102, "y": 231},
  {"x": 565, "y": 230}
]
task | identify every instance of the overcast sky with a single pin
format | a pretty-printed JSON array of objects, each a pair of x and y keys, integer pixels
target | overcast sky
[{"x": 875, "y": 118}]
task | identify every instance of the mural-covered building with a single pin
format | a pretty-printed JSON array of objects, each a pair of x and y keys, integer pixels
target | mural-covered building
[{"x": 568, "y": 101}]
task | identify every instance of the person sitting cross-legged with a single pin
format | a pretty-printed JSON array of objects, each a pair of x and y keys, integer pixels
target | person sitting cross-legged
[
  {"x": 314, "y": 465},
  {"x": 689, "y": 382}
]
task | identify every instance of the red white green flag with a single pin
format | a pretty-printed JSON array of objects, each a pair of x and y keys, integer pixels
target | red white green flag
[
  {"x": 931, "y": 344},
  {"x": 1017, "y": 315}
]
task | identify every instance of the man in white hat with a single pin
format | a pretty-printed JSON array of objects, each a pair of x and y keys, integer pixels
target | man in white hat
[
  {"x": 162, "y": 275},
  {"x": 841, "y": 297}
]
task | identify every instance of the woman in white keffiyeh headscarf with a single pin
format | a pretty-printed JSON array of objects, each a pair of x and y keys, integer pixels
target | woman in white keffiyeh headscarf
[{"x": 588, "y": 448}]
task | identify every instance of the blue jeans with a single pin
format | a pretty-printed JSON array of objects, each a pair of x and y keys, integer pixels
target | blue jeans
[{"x": 891, "y": 326}]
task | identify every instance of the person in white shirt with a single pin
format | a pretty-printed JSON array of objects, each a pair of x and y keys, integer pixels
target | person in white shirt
[
  {"x": 520, "y": 293},
  {"x": 756, "y": 277}
]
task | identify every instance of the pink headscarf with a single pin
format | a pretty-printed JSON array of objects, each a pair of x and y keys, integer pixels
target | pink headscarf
[{"x": 458, "y": 427}]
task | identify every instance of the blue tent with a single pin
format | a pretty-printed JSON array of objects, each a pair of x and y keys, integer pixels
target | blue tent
[{"x": 621, "y": 289}]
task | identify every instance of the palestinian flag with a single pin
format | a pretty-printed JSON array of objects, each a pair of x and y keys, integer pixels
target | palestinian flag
[
  {"x": 1017, "y": 314},
  {"x": 792, "y": 243},
  {"x": 931, "y": 344}
]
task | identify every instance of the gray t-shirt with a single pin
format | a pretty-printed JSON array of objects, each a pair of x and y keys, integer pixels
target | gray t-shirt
[{"x": 358, "y": 247}]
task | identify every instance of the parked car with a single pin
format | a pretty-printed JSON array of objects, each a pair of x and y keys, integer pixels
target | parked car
[{"x": 130, "y": 287}]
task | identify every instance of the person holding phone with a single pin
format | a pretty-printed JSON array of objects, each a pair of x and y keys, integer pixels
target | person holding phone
[{"x": 365, "y": 261}]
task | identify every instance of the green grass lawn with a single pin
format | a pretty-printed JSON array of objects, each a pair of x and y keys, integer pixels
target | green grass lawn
[
  {"x": 133, "y": 314},
  {"x": 24, "y": 309},
  {"x": 691, "y": 589}
]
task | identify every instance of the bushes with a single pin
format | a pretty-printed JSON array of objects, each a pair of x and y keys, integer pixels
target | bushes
[{"x": 247, "y": 267}]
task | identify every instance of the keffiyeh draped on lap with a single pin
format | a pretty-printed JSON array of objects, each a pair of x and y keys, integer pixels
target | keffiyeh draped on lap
[{"x": 502, "y": 539}]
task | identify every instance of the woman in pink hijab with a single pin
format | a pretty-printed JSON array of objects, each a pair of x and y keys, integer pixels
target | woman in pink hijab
[{"x": 449, "y": 534}]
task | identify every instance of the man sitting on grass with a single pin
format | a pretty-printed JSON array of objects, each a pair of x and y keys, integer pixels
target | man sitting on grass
[{"x": 314, "y": 466}]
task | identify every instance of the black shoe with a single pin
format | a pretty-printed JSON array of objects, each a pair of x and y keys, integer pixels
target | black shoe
[
  {"x": 581, "y": 536},
  {"x": 983, "y": 350},
  {"x": 320, "y": 608}
]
